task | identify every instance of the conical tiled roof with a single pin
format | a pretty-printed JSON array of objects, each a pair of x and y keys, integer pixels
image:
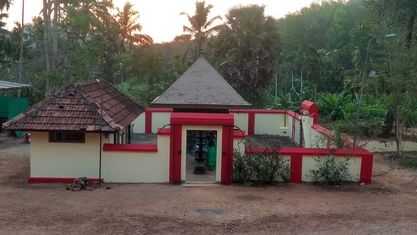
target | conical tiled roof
[
  {"x": 202, "y": 87},
  {"x": 93, "y": 106}
]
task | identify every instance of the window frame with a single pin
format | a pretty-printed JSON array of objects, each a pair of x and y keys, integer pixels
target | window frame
[{"x": 53, "y": 139}]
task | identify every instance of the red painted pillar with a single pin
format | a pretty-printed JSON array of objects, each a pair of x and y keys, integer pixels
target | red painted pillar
[
  {"x": 175, "y": 154},
  {"x": 148, "y": 121},
  {"x": 227, "y": 155},
  {"x": 296, "y": 168},
  {"x": 251, "y": 123},
  {"x": 366, "y": 168}
]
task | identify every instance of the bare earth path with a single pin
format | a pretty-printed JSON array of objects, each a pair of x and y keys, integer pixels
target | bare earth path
[{"x": 388, "y": 206}]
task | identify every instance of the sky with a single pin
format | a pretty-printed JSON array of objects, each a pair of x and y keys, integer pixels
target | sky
[{"x": 161, "y": 18}]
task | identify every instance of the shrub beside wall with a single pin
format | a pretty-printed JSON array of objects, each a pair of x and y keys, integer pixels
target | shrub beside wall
[
  {"x": 331, "y": 170},
  {"x": 262, "y": 168}
]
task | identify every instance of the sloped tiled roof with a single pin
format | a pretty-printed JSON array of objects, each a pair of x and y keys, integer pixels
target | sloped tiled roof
[
  {"x": 93, "y": 106},
  {"x": 201, "y": 86}
]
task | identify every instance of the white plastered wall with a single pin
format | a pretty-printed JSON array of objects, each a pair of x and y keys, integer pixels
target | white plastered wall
[
  {"x": 160, "y": 119},
  {"x": 138, "y": 167},
  {"x": 309, "y": 163},
  {"x": 271, "y": 124},
  {"x": 139, "y": 124},
  {"x": 64, "y": 160},
  {"x": 186, "y": 128},
  {"x": 241, "y": 121}
]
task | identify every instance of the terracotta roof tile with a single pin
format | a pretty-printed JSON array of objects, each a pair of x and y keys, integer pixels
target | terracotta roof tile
[{"x": 93, "y": 106}]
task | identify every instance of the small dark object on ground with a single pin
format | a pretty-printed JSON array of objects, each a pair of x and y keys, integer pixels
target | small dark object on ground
[{"x": 81, "y": 183}]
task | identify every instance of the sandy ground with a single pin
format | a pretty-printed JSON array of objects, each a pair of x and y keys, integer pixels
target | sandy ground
[{"x": 387, "y": 206}]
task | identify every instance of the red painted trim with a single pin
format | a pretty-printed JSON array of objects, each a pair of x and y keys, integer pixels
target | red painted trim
[
  {"x": 366, "y": 169},
  {"x": 272, "y": 111},
  {"x": 293, "y": 114},
  {"x": 45, "y": 180},
  {"x": 238, "y": 134},
  {"x": 251, "y": 123},
  {"x": 310, "y": 151},
  {"x": 323, "y": 130},
  {"x": 296, "y": 168},
  {"x": 148, "y": 121},
  {"x": 348, "y": 142},
  {"x": 164, "y": 131},
  {"x": 202, "y": 119},
  {"x": 130, "y": 147},
  {"x": 159, "y": 110}
]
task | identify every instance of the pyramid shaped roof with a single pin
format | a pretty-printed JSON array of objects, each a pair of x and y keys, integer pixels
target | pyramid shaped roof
[{"x": 200, "y": 87}]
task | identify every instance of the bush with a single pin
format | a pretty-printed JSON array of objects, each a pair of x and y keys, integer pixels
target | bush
[
  {"x": 261, "y": 169},
  {"x": 330, "y": 170},
  {"x": 241, "y": 170}
]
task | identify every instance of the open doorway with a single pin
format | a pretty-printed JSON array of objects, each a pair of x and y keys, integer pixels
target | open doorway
[{"x": 201, "y": 157}]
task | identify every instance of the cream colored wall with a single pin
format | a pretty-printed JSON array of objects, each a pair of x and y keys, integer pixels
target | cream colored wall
[
  {"x": 297, "y": 129},
  {"x": 139, "y": 124},
  {"x": 318, "y": 140},
  {"x": 308, "y": 134},
  {"x": 271, "y": 124},
  {"x": 309, "y": 163},
  {"x": 138, "y": 167},
  {"x": 66, "y": 160},
  {"x": 239, "y": 145},
  {"x": 219, "y": 130},
  {"x": 241, "y": 121},
  {"x": 159, "y": 119}
]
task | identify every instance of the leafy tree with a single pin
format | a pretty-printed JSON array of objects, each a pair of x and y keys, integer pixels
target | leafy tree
[
  {"x": 5, "y": 4},
  {"x": 200, "y": 26},
  {"x": 246, "y": 52},
  {"x": 402, "y": 12}
]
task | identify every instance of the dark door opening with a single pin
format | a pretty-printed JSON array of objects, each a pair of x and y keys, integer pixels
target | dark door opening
[{"x": 201, "y": 156}]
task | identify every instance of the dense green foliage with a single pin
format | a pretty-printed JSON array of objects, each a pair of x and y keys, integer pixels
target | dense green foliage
[{"x": 325, "y": 52}]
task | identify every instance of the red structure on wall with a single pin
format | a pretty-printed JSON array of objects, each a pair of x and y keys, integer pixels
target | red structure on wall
[{"x": 180, "y": 119}]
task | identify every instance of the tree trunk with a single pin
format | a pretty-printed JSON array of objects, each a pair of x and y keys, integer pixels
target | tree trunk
[
  {"x": 410, "y": 29},
  {"x": 46, "y": 44},
  {"x": 54, "y": 38},
  {"x": 22, "y": 34},
  {"x": 398, "y": 129}
]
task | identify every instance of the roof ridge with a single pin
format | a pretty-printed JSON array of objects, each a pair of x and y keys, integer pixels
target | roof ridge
[
  {"x": 222, "y": 78},
  {"x": 103, "y": 114}
]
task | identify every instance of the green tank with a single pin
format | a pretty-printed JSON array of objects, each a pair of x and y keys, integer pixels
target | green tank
[{"x": 211, "y": 156}]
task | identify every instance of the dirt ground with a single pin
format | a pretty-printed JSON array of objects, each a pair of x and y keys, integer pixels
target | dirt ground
[{"x": 387, "y": 206}]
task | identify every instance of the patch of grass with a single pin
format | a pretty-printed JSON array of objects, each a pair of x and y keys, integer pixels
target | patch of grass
[{"x": 408, "y": 162}]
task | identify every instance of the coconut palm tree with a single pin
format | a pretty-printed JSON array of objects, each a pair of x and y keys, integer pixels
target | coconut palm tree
[
  {"x": 127, "y": 20},
  {"x": 200, "y": 26},
  {"x": 4, "y": 4}
]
